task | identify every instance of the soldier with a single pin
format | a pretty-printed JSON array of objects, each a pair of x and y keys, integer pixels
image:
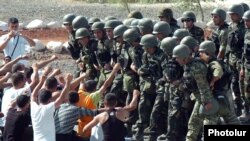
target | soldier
[
  {"x": 245, "y": 6},
  {"x": 179, "y": 34},
  {"x": 219, "y": 35},
  {"x": 219, "y": 81},
  {"x": 132, "y": 37},
  {"x": 233, "y": 55},
  {"x": 135, "y": 14},
  {"x": 149, "y": 73},
  {"x": 245, "y": 66},
  {"x": 195, "y": 81},
  {"x": 166, "y": 14},
  {"x": 145, "y": 26},
  {"x": 87, "y": 60},
  {"x": 192, "y": 44},
  {"x": 161, "y": 30},
  {"x": 188, "y": 19},
  {"x": 93, "y": 20}
]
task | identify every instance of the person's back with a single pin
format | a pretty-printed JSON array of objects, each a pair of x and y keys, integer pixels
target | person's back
[{"x": 113, "y": 128}]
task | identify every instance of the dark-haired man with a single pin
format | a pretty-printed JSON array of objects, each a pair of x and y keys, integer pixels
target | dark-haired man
[{"x": 15, "y": 44}]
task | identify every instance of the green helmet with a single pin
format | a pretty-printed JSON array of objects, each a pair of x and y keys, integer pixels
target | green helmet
[
  {"x": 112, "y": 24},
  {"x": 245, "y": 6},
  {"x": 168, "y": 44},
  {"x": 93, "y": 19},
  {"x": 180, "y": 34},
  {"x": 128, "y": 21},
  {"x": 190, "y": 42},
  {"x": 246, "y": 15},
  {"x": 188, "y": 15},
  {"x": 162, "y": 27},
  {"x": 165, "y": 12},
  {"x": 110, "y": 18},
  {"x": 97, "y": 26},
  {"x": 80, "y": 22},
  {"x": 220, "y": 12},
  {"x": 81, "y": 33},
  {"x": 149, "y": 41},
  {"x": 181, "y": 51},
  {"x": 135, "y": 14},
  {"x": 237, "y": 9},
  {"x": 208, "y": 47},
  {"x": 119, "y": 30},
  {"x": 130, "y": 35},
  {"x": 67, "y": 19},
  {"x": 213, "y": 110},
  {"x": 145, "y": 25}
]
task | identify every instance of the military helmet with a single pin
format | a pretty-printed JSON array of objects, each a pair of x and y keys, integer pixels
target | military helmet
[
  {"x": 128, "y": 21},
  {"x": 188, "y": 15},
  {"x": 97, "y": 26},
  {"x": 80, "y": 22},
  {"x": 220, "y": 12},
  {"x": 213, "y": 110},
  {"x": 189, "y": 41},
  {"x": 246, "y": 15},
  {"x": 165, "y": 12},
  {"x": 245, "y": 6},
  {"x": 110, "y": 18},
  {"x": 93, "y": 20},
  {"x": 207, "y": 46},
  {"x": 135, "y": 14},
  {"x": 162, "y": 27},
  {"x": 180, "y": 34},
  {"x": 168, "y": 44},
  {"x": 134, "y": 23},
  {"x": 67, "y": 19},
  {"x": 81, "y": 33},
  {"x": 237, "y": 9},
  {"x": 112, "y": 24},
  {"x": 149, "y": 41},
  {"x": 119, "y": 30},
  {"x": 145, "y": 25},
  {"x": 130, "y": 35},
  {"x": 181, "y": 51}
]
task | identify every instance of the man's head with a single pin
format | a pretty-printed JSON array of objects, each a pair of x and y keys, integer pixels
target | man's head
[
  {"x": 90, "y": 86},
  {"x": 18, "y": 67},
  {"x": 246, "y": 18},
  {"x": 51, "y": 84},
  {"x": 149, "y": 43},
  {"x": 22, "y": 101},
  {"x": 188, "y": 18},
  {"x": 236, "y": 12},
  {"x": 67, "y": 21},
  {"x": 218, "y": 16},
  {"x": 18, "y": 80},
  {"x": 110, "y": 100},
  {"x": 13, "y": 24},
  {"x": 73, "y": 97},
  {"x": 182, "y": 54},
  {"x": 165, "y": 14},
  {"x": 83, "y": 36},
  {"x": 44, "y": 96},
  {"x": 98, "y": 30},
  {"x": 206, "y": 50}
]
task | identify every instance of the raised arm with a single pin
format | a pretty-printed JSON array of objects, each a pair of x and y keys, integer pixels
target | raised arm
[
  {"x": 35, "y": 92},
  {"x": 4, "y": 79},
  {"x": 133, "y": 104},
  {"x": 65, "y": 90},
  {"x": 35, "y": 77},
  {"x": 5, "y": 42},
  {"x": 76, "y": 82},
  {"x": 29, "y": 40},
  {"x": 46, "y": 62},
  {"x": 8, "y": 66}
]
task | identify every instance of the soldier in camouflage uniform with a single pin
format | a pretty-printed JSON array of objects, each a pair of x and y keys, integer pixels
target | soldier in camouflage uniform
[
  {"x": 245, "y": 66},
  {"x": 188, "y": 19},
  {"x": 161, "y": 30},
  {"x": 192, "y": 44},
  {"x": 93, "y": 20},
  {"x": 219, "y": 35},
  {"x": 195, "y": 81},
  {"x": 219, "y": 81},
  {"x": 179, "y": 34},
  {"x": 145, "y": 26},
  {"x": 149, "y": 72},
  {"x": 132, "y": 37},
  {"x": 233, "y": 55},
  {"x": 87, "y": 60},
  {"x": 166, "y": 14}
]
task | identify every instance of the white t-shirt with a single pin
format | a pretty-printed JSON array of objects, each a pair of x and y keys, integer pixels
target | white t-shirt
[
  {"x": 21, "y": 48},
  {"x": 9, "y": 96},
  {"x": 42, "y": 117}
]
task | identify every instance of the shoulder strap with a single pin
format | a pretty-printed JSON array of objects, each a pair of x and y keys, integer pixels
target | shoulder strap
[{"x": 15, "y": 47}]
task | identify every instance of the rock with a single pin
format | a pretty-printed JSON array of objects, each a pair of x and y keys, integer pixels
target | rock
[
  {"x": 36, "y": 24},
  {"x": 54, "y": 24},
  {"x": 3, "y": 26},
  {"x": 39, "y": 45},
  {"x": 55, "y": 47}
]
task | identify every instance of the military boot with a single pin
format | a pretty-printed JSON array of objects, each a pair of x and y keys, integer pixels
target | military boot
[
  {"x": 245, "y": 116},
  {"x": 138, "y": 136},
  {"x": 162, "y": 137}
]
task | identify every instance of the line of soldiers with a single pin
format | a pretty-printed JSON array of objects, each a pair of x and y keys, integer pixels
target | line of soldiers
[{"x": 185, "y": 82}]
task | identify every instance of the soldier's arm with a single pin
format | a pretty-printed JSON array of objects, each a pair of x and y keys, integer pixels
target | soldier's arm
[
  {"x": 199, "y": 72},
  {"x": 223, "y": 44},
  {"x": 217, "y": 73}
]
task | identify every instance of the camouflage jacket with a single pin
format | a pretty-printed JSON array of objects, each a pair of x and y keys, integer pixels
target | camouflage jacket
[
  {"x": 197, "y": 33},
  {"x": 246, "y": 51},
  {"x": 136, "y": 54},
  {"x": 74, "y": 47}
]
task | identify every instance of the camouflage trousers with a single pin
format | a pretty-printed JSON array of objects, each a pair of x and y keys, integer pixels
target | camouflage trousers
[
  {"x": 247, "y": 85},
  {"x": 196, "y": 122}
]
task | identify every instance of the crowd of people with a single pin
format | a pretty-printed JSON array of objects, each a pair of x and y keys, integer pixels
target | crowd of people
[{"x": 134, "y": 77}]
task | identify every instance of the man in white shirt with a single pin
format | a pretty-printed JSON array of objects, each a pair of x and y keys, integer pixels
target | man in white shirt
[
  {"x": 42, "y": 112},
  {"x": 15, "y": 44}
]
